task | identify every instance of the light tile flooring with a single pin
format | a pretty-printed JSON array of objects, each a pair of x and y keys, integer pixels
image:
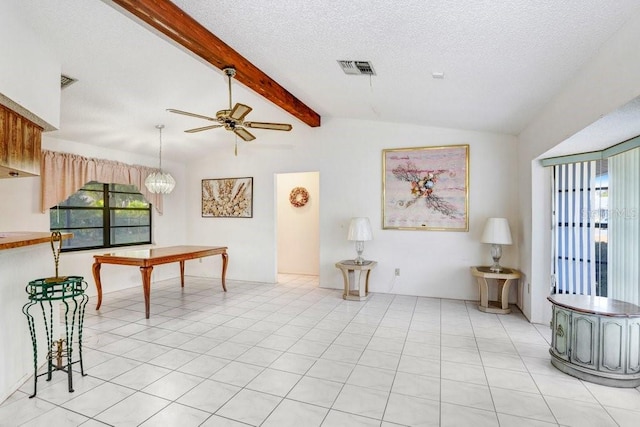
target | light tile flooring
[{"x": 293, "y": 354}]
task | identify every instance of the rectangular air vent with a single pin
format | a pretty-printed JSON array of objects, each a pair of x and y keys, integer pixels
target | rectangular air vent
[
  {"x": 66, "y": 81},
  {"x": 358, "y": 68}
]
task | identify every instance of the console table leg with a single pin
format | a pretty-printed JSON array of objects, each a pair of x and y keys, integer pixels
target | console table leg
[
  {"x": 366, "y": 286},
  {"x": 503, "y": 292},
  {"x": 182, "y": 274},
  {"x": 484, "y": 292},
  {"x": 146, "y": 287},
  {"x": 345, "y": 276},
  {"x": 96, "y": 278},
  {"x": 225, "y": 261}
]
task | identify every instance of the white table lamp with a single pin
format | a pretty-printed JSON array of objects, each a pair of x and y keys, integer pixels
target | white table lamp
[
  {"x": 359, "y": 231},
  {"x": 497, "y": 233}
]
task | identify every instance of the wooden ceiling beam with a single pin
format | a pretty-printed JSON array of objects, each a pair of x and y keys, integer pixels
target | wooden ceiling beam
[{"x": 173, "y": 22}]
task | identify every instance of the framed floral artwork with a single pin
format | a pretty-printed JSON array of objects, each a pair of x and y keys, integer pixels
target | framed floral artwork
[
  {"x": 426, "y": 188},
  {"x": 227, "y": 197}
]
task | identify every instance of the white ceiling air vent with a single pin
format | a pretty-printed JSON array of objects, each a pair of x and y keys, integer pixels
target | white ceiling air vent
[
  {"x": 358, "y": 68},
  {"x": 66, "y": 81}
]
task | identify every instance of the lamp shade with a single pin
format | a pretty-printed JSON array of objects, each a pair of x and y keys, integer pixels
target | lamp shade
[
  {"x": 360, "y": 229},
  {"x": 160, "y": 182},
  {"x": 496, "y": 231}
]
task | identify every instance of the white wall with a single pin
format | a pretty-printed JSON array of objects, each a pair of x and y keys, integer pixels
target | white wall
[
  {"x": 607, "y": 82},
  {"x": 298, "y": 227},
  {"x": 33, "y": 79},
  {"x": 348, "y": 156}
]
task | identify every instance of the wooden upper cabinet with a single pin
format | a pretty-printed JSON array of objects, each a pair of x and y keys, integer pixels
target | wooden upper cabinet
[{"x": 20, "y": 141}]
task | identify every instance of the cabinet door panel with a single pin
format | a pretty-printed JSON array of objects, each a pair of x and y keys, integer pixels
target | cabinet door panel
[
  {"x": 584, "y": 340},
  {"x": 612, "y": 348},
  {"x": 633, "y": 352},
  {"x": 560, "y": 336}
]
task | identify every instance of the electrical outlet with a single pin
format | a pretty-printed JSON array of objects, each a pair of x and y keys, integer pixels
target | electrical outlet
[{"x": 397, "y": 271}]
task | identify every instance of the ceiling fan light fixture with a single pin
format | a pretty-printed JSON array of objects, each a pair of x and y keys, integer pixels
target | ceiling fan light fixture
[
  {"x": 232, "y": 119},
  {"x": 160, "y": 182}
]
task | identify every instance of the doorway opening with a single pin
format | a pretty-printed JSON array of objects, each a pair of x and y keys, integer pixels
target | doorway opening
[{"x": 298, "y": 226}]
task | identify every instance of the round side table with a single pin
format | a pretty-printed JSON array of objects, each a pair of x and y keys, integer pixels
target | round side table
[
  {"x": 503, "y": 280},
  {"x": 356, "y": 289}
]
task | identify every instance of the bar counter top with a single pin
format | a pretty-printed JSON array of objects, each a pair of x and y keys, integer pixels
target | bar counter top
[{"x": 17, "y": 239}]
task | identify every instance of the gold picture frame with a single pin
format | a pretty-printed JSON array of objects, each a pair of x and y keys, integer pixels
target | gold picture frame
[
  {"x": 227, "y": 198},
  {"x": 426, "y": 188}
]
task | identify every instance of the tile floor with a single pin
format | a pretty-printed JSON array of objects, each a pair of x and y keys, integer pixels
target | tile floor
[{"x": 293, "y": 354}]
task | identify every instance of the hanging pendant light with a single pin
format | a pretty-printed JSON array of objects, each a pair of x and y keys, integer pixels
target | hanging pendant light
[{"x": 160, "y": 182}]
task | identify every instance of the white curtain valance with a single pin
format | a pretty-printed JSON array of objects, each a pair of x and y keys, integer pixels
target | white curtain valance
[{"x": 63, "y": 174}]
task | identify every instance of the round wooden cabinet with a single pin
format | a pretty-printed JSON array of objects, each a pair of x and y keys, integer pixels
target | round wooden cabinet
[{"x": 596, "y": 339}]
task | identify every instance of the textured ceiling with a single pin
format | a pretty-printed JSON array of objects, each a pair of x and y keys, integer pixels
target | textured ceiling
[{"x": 502, "y": 61}]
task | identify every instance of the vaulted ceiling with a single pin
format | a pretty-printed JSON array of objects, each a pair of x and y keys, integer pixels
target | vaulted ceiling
[{"x": 502, "y": 61}]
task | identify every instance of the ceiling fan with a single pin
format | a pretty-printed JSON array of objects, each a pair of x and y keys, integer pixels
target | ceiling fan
[{"x": 233, "y": 118}]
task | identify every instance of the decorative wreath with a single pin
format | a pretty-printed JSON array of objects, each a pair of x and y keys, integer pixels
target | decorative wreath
[{"x": 299, "y": 197}]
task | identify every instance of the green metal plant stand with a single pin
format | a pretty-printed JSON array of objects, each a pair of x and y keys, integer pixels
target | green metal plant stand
[{"x": 70, "y": 291}]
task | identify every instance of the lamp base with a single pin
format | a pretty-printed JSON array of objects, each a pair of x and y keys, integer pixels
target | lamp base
[
  {"x": 496, "y": 268},
  {"x": 496, "y": 254},
  {"x": 359, "y": 249}
]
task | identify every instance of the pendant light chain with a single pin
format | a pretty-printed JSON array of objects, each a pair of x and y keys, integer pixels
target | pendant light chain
[{"x": 159, "y": 127}]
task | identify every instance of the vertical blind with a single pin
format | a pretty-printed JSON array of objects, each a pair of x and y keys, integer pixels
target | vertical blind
[
  {"x": 574, "y": 228},
  {"x": 624, "y": 226}
]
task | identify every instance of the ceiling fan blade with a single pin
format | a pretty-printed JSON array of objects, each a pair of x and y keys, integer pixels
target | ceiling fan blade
[
  {"x": 244, "y": 134},
  {"x": 186, "y": 113},
  {"x": 271, "y": 126},
  {"x": 240, "y": 111},
  {"x": 203, "y": 128}
]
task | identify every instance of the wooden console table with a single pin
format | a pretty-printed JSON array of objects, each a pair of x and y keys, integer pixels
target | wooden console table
[
  {"x": 147, "y": 258},
  {"x": 503, "y": 279}
]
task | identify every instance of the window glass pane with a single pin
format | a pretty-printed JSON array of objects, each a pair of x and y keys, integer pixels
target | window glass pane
[
  {"x": 83, "y": 214},
  {"x": 69, "y": 218},
  {"x": 126, "y": 217},
  {"x": 128, "y": 200},
  {"x": 84, "y": 238},
  {"x": 84, "y": 198},
  {"x": 124, "y": 235},
  {"x": 93, "y": 185},
  {"x": 124, "y": 188}
]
